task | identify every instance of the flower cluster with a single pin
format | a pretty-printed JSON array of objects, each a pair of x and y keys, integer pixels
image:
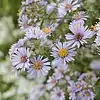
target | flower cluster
[
  {"x": 47, "y": 51},
  {"x": 83, "y": 88}
]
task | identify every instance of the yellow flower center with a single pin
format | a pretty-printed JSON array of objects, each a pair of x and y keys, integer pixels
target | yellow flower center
[
  {"x": 68, "y": 6},
  {"x": 93, "y": 28},
  {"x": 47, "y": 30},
  {"x": 37, "y": 65},
  {"x": 63, "y": 52}
]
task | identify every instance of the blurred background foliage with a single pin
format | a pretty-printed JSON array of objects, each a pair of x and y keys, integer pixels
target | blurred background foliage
[{"x": 17, "y": 89}]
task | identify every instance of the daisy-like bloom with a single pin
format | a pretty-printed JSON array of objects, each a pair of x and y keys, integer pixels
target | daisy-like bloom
[
  {"x": 39, "y": 66},
  {"x": 24, "y": 22},
  {"x": 80, "y": 34},
  {"x": 89, "y": 77},
  {"x": 57, "y": 94},
  {"x": 80, "y": 16},
  {"x": 67, "y": 5},
  {"x": 17, "y": 45},
  {"x": 49, "y": 28},
  {"x": 83, "y": 88},
  {"x": 35, "y": 32},
  {"x": 20, "y": 58},
  {"x": 83, "y": 95},
  {"x": 62, "y": 53},
  {"x": 88, "y": 95},
  {"x": 77, "y": 86}
]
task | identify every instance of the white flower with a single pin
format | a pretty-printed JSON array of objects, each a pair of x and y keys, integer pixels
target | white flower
[
  {"x": 57, "y": 94},
  {"x": 83, "y": 88},
  {"x": 35, "y": 32},
  {"x": 39, "y": 66},
  {"x": 62, "y": 53},
  {"x": 49, "y": 28},
  {"x": 77, "y": 86},
  {"x": 80, "y": 34},
  {"x": 19, "y": 44},
  {"x": 88, "y": 95},
  {"x": 67, "y": 5},
  {"x": 80, "y": 16},
  {"x": 20, "y": 58},
  {"x": 24, "y": 22}
]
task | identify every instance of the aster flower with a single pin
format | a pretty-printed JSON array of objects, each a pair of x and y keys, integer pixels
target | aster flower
[
  {"x": 62, "y": 53},
  {"x": 24, "y": 22},
  {"x": 67, "y": 5},
  {"x": 57, "y": 94},
  {"x": 80, "y": 34},
  {"x": 80, "y": 16},
  {"x": 89, "y": 77},
  {"x": 88, "y": 95},
  {"x": 35, "y": 32},
  {"x": 19, "y": 44},
  {"x": 20, "y": 58},
  {"x": 83, "y": 88},
  {"x": 77, "y": 86},
  {"x": 39, "y": 66},
  {"x": 49, "y": 28}
]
